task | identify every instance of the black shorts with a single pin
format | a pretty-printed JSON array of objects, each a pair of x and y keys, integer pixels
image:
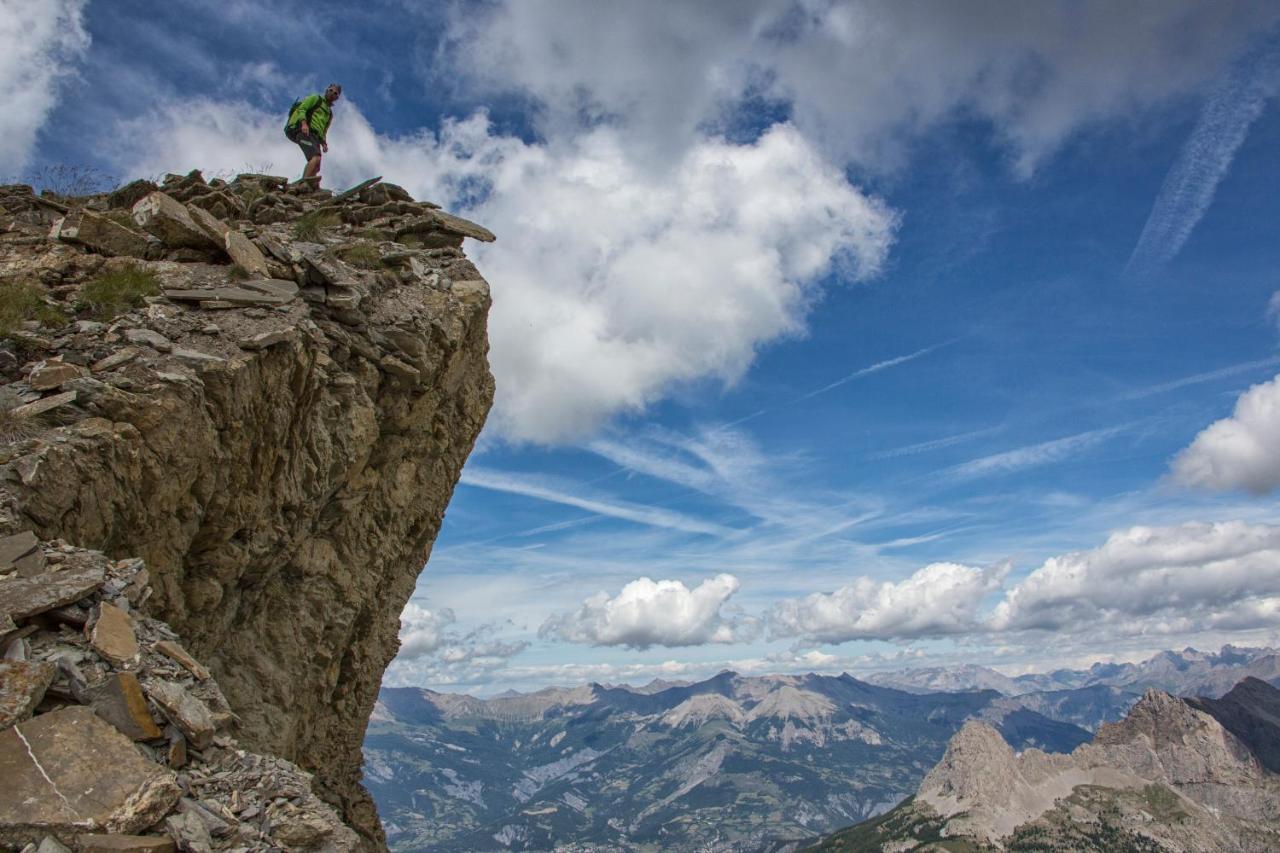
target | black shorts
[{"x": 306, "y": 141}]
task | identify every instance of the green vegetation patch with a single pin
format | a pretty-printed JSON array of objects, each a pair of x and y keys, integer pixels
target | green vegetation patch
[
  {"x": 364, "y": 256},
  {"x": 114, "y": 293},
  {"x": 310, "y": 226},
  {"x": 20, "y": 302}
]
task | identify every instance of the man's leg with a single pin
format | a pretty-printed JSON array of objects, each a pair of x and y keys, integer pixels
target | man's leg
[{"x": 313, "y": 168}]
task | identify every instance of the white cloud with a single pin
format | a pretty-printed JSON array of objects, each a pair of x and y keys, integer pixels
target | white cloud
[
  {"x": 1034, "y": 455},
  {"x": 40, "y": 43},
  {"x": 1193, "y": 576},
  {"x": 859, "y": 75},
  {"x": 431, "y": 652},
  {"x": 1191, "y": 184},
  {"x": 938, "y": 600},
  {"x": 655, "y": 613},
  {"x": 422, "y": 631},
  {"x": 1239, "y": 452}
]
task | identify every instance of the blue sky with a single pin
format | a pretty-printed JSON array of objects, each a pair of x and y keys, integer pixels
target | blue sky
[{"x": 828, "y": 335}]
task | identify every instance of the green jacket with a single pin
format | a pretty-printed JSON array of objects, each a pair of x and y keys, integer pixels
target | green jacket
[{"x": 321, "y": 115}]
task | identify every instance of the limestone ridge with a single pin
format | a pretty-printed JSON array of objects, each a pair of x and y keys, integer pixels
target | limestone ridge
[
  {"x": 1168, "y": 777},
  {"x": 276, "y": 437}
]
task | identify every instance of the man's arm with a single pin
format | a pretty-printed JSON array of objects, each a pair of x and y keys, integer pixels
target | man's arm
[{"x": 307, "y": 105}]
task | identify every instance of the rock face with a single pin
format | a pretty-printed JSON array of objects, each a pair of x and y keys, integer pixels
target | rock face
[
  {"x": 279, "y": 451},
  {"x": 1168, "y": 776}
]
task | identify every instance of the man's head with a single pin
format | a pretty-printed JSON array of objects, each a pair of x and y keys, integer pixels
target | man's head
[{"x": 332, "y": 92}]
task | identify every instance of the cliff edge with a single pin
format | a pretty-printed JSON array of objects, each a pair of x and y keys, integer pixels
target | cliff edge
[{"x": 266, "y": 392}]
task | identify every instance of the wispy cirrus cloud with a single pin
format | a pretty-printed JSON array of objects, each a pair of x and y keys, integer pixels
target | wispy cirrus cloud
[
  {"x": 874, "y": 368},
  {"x": 1034, "y": 455},
  {"x": 541, "y": 489},
  {"x": 1206, "y": 157},
  {"x": 1198, "y": 378}
]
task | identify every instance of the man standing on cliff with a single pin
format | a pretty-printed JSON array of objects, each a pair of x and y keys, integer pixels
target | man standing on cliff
[{"x": 308, "y": 125}]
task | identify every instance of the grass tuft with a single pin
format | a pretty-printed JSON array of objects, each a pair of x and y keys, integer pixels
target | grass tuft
[
  {"x": 361, "y": 255},
  {"x": 22, "y": 302},
  {"x": 310, "y": 226},
  {"x": 110, "y": 295}
]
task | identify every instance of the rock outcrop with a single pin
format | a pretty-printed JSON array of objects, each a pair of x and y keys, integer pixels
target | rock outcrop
[
  {"x": 1168, "y": 777},
  {"x": 266, "y": 392}
]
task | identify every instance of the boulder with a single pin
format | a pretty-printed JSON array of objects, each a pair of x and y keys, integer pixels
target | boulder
[
  {"x": 130, "y": 194},
  {"x": 69, "y": 772},
  {"x": 51, "y": 374},
  {"x": 101, "y": 234},
  {"x": 212, "y": 225},
  {"x": 22, "y": 686},
  {"x": 169, "y": 220}
]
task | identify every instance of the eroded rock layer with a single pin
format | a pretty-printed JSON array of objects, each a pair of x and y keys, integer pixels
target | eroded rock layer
[{"x": 272, "y": 412}]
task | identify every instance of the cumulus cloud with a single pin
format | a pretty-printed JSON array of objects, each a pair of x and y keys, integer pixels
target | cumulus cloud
[
  {"x": 430, "y": 648},
  {"x": 1193, "y": 576},
  {"x": 938, "y": 600},
  {"x": 655, "y": 613},
  {"x": 39, "y": 46},
  {"x": 1239, "y": 452}
]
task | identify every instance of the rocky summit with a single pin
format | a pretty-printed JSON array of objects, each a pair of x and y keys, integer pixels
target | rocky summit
[
  {"x": 231, "y": 416},
  {"x": 1173, "y": 775}
]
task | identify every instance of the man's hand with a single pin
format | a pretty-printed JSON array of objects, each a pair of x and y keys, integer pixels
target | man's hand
[
  {"x": 306, "y": 129},
  {"x": 324, "y": 146}
]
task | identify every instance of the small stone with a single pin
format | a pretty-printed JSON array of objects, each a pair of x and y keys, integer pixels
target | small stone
[
  {"x": 126, "y": 843},
  {"x": 88, "y": 327},
  {"x": 51, "y": 374},
  {"x": 22, "y": 598},
  {"x": 122, "y": 704},
  {"x": 210, "y": 329},
  {"x": 79, "y": 774},
  {"x": 185, "y": 711},
  {"x": 16, "y": 546},
  {"x": 177, "y": 653},
  {"x": 47, "y": 404},
  {"x": 22, "y": 686},
  {"x": 176, "y": 756},
  {"x": 112, "y": 635},
  {"x": 116, "y": 359},
  {"x": 149, "y": 337}
]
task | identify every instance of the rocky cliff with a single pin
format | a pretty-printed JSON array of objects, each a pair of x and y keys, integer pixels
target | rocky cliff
[{"x": 265, "y": 391}]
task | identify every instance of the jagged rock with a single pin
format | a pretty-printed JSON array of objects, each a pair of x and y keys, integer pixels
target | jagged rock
[
  {"x": 150, "y": 338},
  {"x": 236, "y": 296},
  {"x": 93, "y": 843},
  {"x": 265, "y": 340},
  {"x": 122, "y": 703},
  {"x": 30, "y": 565},
  {"x": 192, "y": 356},
  {"x": 48, "y": 404},
  {"x": 78, "y": 775},
  {"x": 101, "y": 234},
  {"x": 22, "y": 686},
  {"x": 396, "y": 367},
  {"x": 116, "y": 359},
  {"x": 189, "y": 833},
  {"x": 22, "y": 598},
  {"x": 189, "y": 714},
  {"x": 169, "y": 220},
  {"x": 176, "y": 652},
  {"x": 51, "y": 845},
  {"x": 214, "y": 227},
  {"x": 113, "y": 636},
  {"x": 48, "y": 375},
  {"x": 130, "y": 194},
  {"x": 242, "y": 250}
]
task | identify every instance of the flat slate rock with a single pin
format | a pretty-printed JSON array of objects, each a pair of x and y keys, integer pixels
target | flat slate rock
[
  {"x": 242, "y": 295},
  {"x": 13, "y": 548},
  {"x": 188, "y": 713},
  {"x": 77, "y": 774},
  {"x": 22, "y": 686},
  {"x": 95, "y": 843},
  {"x": 21, "y": 598},
  {"x": 47, "y": 404}
]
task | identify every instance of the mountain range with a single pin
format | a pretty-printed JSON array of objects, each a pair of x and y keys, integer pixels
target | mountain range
[{"x": 731, "y": 763}]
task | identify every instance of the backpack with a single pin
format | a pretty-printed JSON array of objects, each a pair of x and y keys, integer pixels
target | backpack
[{"x": 290, "y": 128}]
